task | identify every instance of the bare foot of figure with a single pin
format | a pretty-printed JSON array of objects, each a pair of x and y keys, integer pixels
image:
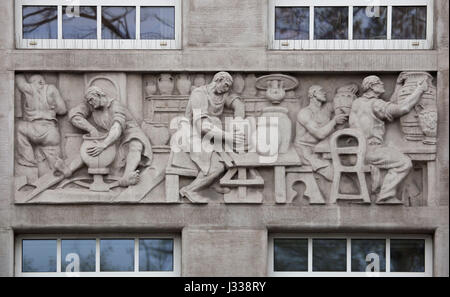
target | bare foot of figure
[
  {"x": 62, "y": 168},
  {"x": 193, "y": 196},
  {"x": 130, "y": 179}
]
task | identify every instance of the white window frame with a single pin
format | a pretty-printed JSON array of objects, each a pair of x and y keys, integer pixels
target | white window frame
[
  {"x": 98, "y": 43},
  {"x": 136, "y": 273},
  {"x": 310, "y": 273},
  {"x": 350, "y": 44}
]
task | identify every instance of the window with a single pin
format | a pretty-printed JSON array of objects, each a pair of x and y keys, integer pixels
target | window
[
  {"x": 338, "y": 255},
  {"x": 118, "y": 255},
  {"x": 98, "y": 24},
  {"x": 350, "y": 24}
]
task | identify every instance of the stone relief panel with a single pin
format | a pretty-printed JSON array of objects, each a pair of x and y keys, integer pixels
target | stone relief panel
[{"x": 234, "y": 138}]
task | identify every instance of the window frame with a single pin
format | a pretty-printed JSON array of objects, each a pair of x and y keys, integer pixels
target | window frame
[
  {"x": 176, "y": 272},
  {"x": 388, "y": 237},
  {"x": 98, "y": 43},
  {"x": 350, "y": 43}
]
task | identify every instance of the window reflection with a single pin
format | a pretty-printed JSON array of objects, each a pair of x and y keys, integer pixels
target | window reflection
[
  {"x": 291, "y": 255},
  {"x": 409, "y": 22},
  {"x": 363, "y": 247},
  {"x": 156, "y": 255},
  {"x": 157, "y": 22},
  {"x": 39, "y": 255},
  {"x": 40, "y": 22},
  {"x": 369, "y": 22},
  {"x": 407, "y": 255},
  {"x": 330, "y": 22},
  {"x": 330, "y": 255},
  {"x": 116, "y": 255},
  {"x": 118, "y": 22},
  {"x": 79, "y": 26},
  {"x": 81, "y": 252},
  {"x": 291, "y": 23}
]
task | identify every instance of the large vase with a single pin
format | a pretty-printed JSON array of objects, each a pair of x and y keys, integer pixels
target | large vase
[
  {"x": 420, "y": 124},
  {"x": 166, "y": 84},
  {"x": 184, "y": 84},
  {"x": 97, "y": 165},
  {"x": 238, "y": 83}
]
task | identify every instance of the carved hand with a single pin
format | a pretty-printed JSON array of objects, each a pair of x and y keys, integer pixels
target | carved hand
[
  {"x": 423, "y": 86},
  {"x": 97, "y": 149},
  {"x": 340, "y": 119},
  {"x": 94, "y": 133}
]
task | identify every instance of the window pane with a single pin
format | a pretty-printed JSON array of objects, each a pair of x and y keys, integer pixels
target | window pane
[
  {"x": 361, "y": 248},
  {"x": 118, "y": 22},
  {"x": 407, "y": 255},
  {"x": 40, "y": 22},
  {"x": 369, "y": 22},
  {"x": 79, "y": 23},
  {"x": 78, "y": 255},
  {"x": 330, "y": 22},
  {"x": 330, "y": 255},
  {"x": 409, "y": 22},
  {"x": 291, "y": 23},
  {"x": 291, "y": 255},
  {"x": 39, "y": 255},
  {"x": 117, "y": 255},
  {"x": 157, "y": 22},
  {"x": 156, "y": 255}
]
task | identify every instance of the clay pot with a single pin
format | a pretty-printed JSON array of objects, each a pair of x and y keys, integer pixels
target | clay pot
[
  {"x": 150, "y": 88},
  {"x": 250, "y": 86},
  {"x": 238, "y": 83},
  {"x": 275, "y": 93},
  {"x": 199, "y": 80},
  {"x": 97, "y": 165},
  {"x": 283, "y": 128},
  {"x": 420, "y": 122},
  {"x": 184, "y": 84},
  {"x": 158, "y": 133},
  {"x": 166, "y": 84}
]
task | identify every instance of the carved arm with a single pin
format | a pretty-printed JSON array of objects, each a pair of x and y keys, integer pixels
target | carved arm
[{"x": 398, "y": 110}]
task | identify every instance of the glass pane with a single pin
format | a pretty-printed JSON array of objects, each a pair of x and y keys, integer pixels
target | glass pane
[
  {"x": 291, "y": 23},
  {"x": 78, "y": 255},
  {"x": 407, "y": 255},
  {"x": 330, "y": 255},
  {"x": 157, "y": 22},
  {"x": 156, "y": 255},
  {"x": 79, "y": 22},
  {"x": 409, "y": 22},
  {"x": 40, "y": 22},
  {"x": 39, "y": 255},
  {"x": 290, "y": 255},
  {"x": 361, "y": 248},
  {"x": 117, "y": 255},
  {"x": 331, "y": 22},
  {"x": 370, "y": 22},
  {"x": 118, "y": 22}
]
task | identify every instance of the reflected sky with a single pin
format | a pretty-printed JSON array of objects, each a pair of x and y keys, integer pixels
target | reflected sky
[
  {"x": 291, "y": 255},
  {"x": 116, "y": 255},
  {"x": 118, "y": 22},
  {"x": 330, "y": 255},
  {"x": 82, "y": 27},
  {"x": 369, "y": 23},
  {"x": 291, "y": 23},
  {"x": 39, "y": 255},
  {"x": 331, "y": 23},
  {"x": 40, "y": 22},
  {"x": 158, "y": 23},
  {"x": 156, "y": 255},
  {"x": 409, "y": 22},
  {"x": 407, "y": 255},
  {"x": 363, "y": 247},
  {"x": 85, "y": 249}
]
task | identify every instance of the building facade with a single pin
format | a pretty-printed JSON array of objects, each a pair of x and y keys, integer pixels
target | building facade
[{"x": 329, "y": 121}]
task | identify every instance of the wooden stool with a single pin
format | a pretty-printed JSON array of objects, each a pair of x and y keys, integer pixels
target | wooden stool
[{"x": 358, "y": 168}]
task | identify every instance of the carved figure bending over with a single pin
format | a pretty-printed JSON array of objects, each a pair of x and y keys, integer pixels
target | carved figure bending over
[
  {"x": 115, "y": 120},
  {"x": 369, "y": 114},
  {"x": 206, "y": 105},
  {"x": 314, "y": 124},
  {"x": 38, "y": 137}
]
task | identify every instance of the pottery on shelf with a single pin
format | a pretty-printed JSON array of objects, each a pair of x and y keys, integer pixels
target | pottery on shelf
[
  {"x": 158, "y": 133},
  {"x": 166, "y": 84},
  {"x": 250, "y": 86},
  {"x": 238, "y": 83},
  {"x": 150, "y": 88},
  {"x": 184, "y": 84}
]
